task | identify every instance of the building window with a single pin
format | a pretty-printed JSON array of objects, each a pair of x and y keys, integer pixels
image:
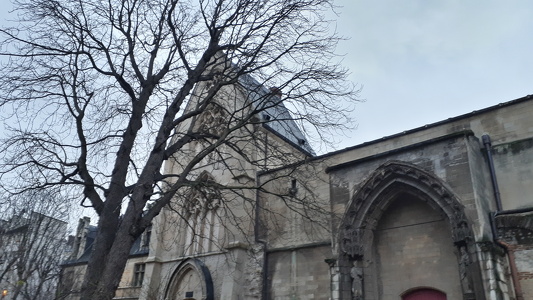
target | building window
[
  {"x": 202, "y": 222},
  {"x": 138, "y": 274},
  {"x": 203, "y": 226},
  {"x": 213, "y": 120}
]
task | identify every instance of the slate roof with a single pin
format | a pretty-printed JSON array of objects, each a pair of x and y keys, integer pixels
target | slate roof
[
  {"x": 275, "y": 116},
  {"x": 136, "y": 248}
]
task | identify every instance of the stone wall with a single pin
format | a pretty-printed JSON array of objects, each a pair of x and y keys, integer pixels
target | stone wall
[
  {"x": 415, "y": 249},
  {"x": 299, "y": 274},
  {"x": 513, "y": 163}
]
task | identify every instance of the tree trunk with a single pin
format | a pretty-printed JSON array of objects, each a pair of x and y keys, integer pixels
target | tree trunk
[
  {"x": 109, "y": 256},
  {"x": 115, "y": 265},
  {"x": 104, "y": 285},
  {"x": 107, "y": 228}
]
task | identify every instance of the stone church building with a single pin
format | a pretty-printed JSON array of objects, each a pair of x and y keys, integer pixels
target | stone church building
[{"x": 442, "y": 211}]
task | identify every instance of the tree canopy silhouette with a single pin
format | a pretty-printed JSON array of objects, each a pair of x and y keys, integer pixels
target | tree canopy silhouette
[{"x": 94, "y": 96}]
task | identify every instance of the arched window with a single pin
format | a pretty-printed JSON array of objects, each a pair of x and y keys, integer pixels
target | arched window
[
  {"x": 212, "y": 120},
  {"x": 202, "y": 222},
  {"x": 424, "y": 294}
]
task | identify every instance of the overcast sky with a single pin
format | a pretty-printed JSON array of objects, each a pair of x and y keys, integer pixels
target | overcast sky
[{"x": 424, "y": 61}]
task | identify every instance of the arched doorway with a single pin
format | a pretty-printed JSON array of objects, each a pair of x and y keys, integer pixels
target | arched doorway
[
  {"x": 424, "y": 294},
  {"x": 384, "y": 231},
  {"x": 191, "y": 281}
]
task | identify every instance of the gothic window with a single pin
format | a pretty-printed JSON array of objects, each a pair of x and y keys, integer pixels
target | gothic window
[
  {"x": 138, "y": 274},
  {"x": 203, "y": 227},
  {"x": 213, "y": 120}
]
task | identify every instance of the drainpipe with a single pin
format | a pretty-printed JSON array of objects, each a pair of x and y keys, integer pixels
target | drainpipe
[
  {"x": 514, "y": 271},
  {"x": 510, "y": 251},
  {"x": 497, "y": 197},
  {"x": 495, "y": 188}
]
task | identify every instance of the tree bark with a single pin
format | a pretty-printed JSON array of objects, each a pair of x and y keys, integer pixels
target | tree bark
[
  {"x": 107, "y": 228},
  {"x": 107, "y": 263}
]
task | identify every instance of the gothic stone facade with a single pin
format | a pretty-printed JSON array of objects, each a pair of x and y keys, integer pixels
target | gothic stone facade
[{"x": 442, "y": 212}]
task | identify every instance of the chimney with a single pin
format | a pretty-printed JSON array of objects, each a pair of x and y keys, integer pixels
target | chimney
[{"x": 276, "y": 91}]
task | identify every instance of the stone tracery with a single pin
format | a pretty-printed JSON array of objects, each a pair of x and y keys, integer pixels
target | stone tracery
[{"x": 201, "y": 217}]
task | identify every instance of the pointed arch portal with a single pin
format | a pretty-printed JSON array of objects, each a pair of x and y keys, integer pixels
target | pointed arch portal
[{"x": 393, "y": 195}]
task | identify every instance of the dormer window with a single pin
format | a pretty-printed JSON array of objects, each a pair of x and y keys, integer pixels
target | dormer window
[{"x": 145, "y": 238}]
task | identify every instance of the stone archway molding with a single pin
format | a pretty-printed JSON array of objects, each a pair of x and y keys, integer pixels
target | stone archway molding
[
  {"x": 378, "y": 191},
  {"x": 188, "y": 265},
  {"x": 371, "y": 200}
]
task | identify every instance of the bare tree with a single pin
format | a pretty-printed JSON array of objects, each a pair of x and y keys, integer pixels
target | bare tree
[
  {"x": 32, "y": 239},
  {"x": 98, "y": 95}
]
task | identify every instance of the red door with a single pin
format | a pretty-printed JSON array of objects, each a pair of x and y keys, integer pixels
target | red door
[{"x": 424, "y": 294}]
